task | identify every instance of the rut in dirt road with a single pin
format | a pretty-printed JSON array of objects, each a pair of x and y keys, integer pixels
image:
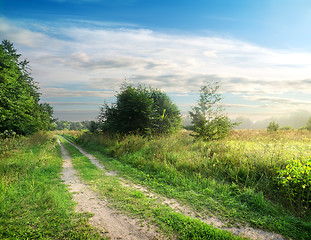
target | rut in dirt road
[{"x": 117, "y": 226}]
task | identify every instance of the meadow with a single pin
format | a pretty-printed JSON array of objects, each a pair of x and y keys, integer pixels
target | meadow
[
  {"x": 252, "y": 177},
  {"x": 34, "y": 202}
]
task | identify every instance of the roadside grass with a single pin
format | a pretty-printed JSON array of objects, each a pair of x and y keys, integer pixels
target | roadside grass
[
  {"x": 234, "y": 179},
  {"x": 136, "y": 204},
  {"x": 34, "y": 203}
]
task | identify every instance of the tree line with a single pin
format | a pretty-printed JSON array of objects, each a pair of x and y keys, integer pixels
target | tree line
[
  {"x": 68, "y": 125},
  {"x": 20, "y": 109}
]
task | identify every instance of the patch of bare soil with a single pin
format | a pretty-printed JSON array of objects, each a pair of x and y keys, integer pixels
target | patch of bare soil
[
  {"x": 114, "y": 224},
  {"x": 246, "y": 231}
]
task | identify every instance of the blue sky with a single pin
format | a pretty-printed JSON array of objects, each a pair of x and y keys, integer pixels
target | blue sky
[{"x": 80, "y": 51}]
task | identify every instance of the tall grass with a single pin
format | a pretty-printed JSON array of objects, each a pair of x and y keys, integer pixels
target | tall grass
[
  {"x": 135, "y": 203},
  {"x": 237, "y": 178},
  {"x": 247, "y": 158},
  {"x": 34, "y": 203}
]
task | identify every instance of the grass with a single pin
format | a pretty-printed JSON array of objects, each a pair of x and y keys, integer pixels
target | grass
[
  {"x": 136, "y": 204},
  {"x": 34, "y": 203},
  {"x": 235, "y": 179}
]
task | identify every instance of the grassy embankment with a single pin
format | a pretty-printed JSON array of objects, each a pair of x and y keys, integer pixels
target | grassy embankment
[
  {"x": 237, "y": 179},
  {"x": 34, "y": 203}
]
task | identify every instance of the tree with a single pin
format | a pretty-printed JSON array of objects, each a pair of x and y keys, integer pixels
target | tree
[
  {"x": 207, "y": 118},
  {"x": 93, "y": 126},
  {"x": 273, "y": 127},
  {"x": 140, "y": 109},
  {"x": 20, "y": 110}
]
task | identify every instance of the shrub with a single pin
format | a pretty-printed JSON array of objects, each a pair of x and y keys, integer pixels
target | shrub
[
  {"x": 288, "y": 128},
  {"x": 140, "y": 110},
  {"x": 273, "y": 126},
  {"x": 295, "y": 183},
  {"x": 207, "y": 118}
]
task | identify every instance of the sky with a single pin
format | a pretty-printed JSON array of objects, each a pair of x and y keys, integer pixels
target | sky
[{"x": 80, "y": 51}]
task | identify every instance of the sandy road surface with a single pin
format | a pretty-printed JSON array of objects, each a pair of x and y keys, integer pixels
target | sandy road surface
[{"x": 116, "y": 225}]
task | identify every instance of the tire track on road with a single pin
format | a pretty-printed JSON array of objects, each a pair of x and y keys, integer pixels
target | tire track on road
[{"x": 114, "y": 224}]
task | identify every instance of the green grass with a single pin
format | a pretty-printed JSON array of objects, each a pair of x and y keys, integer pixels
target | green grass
[
  {"x": 34, "y": 203},
  {"x": 234, "y": 179},
  {"x": 136, "y": 204}
]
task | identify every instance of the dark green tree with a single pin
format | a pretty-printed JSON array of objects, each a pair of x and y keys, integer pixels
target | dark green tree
[
  {"x": 20, "y": 110},
  {"x": 140, "y": 109},
  {"x": 207, "y": 117}
]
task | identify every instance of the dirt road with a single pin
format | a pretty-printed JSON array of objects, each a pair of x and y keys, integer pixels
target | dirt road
[
  {"x": 118, "y": 226},
  {"x": 114, "y": 224}
]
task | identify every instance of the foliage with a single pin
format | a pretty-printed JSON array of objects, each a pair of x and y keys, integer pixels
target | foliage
[
  {"x": 20, "y": 110},
  {"x": 93, "y": 126},
  {"x": 207, "y": 117},
  {"x": 287, "y": 128},
  {"x": 139, "y": 109},
  {"x": 295, "y": 182},
  {"x": 273, "y": 126}
]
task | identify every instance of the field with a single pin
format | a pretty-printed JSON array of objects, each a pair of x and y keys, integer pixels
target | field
[{"x": 252, "y": 178}]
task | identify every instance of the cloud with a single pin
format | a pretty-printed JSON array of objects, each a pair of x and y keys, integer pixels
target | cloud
[
  {"x": 74, "y": 103},
  {"x": 99, "y": 56},
  {"x": 62, "y": 92},
  {"x": 166, "y": 60},
  {"x": 21, "y": 36},
  {"x": 75, "y": 115},
  {"x": 279, "y": 101}
]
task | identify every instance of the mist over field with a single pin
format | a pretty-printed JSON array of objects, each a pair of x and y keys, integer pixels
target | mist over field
[{"x": 295, "y": 120}]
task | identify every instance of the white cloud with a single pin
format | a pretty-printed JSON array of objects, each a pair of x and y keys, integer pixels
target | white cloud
[
  {"x": 63, "y": 93},
  {"x": 102, "y": 57}
]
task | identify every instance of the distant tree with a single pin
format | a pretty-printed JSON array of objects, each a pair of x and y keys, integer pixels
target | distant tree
[
  {"x": 273, "y": 126},
  {"x": 287, "y": 128},
  {"x": 93, "y": 126},
  {"x": 20, "y": 110},
  {"x": 67, "y": 125},
  {"x": 207, "y": 117},
  {"x": 63, "y": 125},
  {"x": 140, "y": 109}
]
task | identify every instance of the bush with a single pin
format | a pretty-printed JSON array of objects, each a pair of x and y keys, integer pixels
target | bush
[
  {"x": 273, "y": 127},
  {"x": 207, "y": 118},
  {"x": 295, "y": 183},
  {"x": 287, "y": 128},
  {"x": 140, "y": 110}
]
